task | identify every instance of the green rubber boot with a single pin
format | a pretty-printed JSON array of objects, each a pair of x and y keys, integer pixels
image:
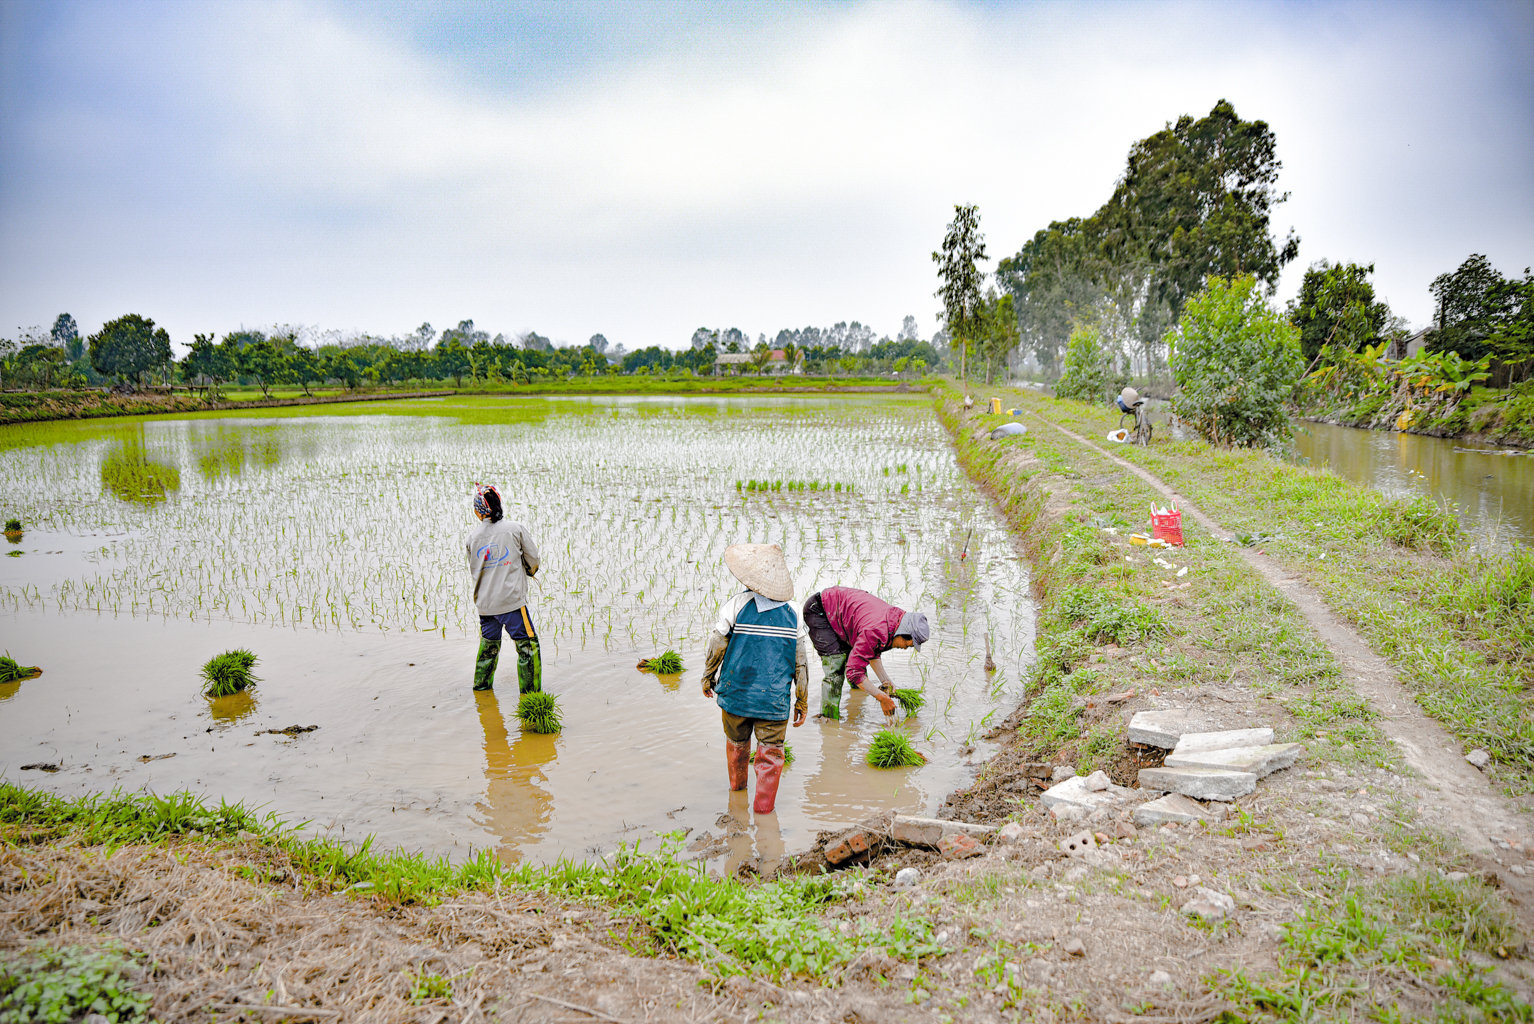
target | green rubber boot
[
  {"x": 835, "y": 669},
  {"x": 529, "y": 666},
  {"x": 484, "y": 665}
]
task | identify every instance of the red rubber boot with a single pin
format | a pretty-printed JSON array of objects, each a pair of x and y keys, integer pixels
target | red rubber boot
[
  {"x": 736, "y": 755},
  {"x": 769, "y": 769}
]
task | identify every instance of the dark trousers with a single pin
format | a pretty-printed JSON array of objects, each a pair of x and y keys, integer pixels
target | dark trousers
[{"x": 827, "y": 643}]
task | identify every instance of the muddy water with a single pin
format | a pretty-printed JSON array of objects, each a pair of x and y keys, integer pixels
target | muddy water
[
  {"x": 330, "y": 546},
  {"x": 1492, "y": 491}
]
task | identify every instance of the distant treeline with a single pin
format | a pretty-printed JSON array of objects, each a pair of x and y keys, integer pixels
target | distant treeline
[
  {"x": 1197, "y": 200},
  {"x": 132, "y": 350}
]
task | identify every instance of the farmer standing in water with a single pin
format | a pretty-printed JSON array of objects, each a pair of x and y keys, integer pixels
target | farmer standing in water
[
  {"x": 755, "y": 660},
  {"x": 501, "y": 558},
  {"x": 850, "y": 628}
]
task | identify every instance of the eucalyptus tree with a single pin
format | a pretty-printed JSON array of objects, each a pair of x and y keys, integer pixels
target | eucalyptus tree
[{"x": 963, "y": 310}]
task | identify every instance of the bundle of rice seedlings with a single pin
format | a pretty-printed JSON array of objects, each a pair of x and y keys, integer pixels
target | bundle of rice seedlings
[
  {"x": 228, "y": 673},
  {"x": 539, "y": 712},
  {"x": 668, "y": 664},
  {"x": 910, "y": 700},
  {"x": 13, "y": 529},
  {"x": 10, "y": 671},
  {"x": 788, "y": 755},
  {"x": 892, "y": 749}
]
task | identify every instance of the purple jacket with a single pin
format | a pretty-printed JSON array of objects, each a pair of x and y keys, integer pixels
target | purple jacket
[{"x": 863, "y": 622}]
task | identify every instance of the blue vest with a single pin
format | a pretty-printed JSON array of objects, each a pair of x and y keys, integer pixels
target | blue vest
[{"x": 756, "y": 679}]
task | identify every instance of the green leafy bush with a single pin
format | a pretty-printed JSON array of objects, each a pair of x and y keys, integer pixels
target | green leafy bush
[
  {"x": 1236, "y": 362},
  {"x": 539, "y": 712},
  {"x": 893, "y": 749},
  {"x": 41, "y": 985},
  {"x": 1088, "y": 373},
  {"x": 228, "y": 673}
]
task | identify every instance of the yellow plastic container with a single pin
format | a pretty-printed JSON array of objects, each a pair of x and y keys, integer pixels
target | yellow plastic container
[
  {"x": 1139, "y": 539},
  {"x": 995, "y": 407}
]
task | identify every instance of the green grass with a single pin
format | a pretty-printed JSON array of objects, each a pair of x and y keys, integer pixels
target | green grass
[
  {"x": 40, "y": 984},
  {"x": 117, "y": 818},
  {"x": 1387, "y": 951},
  {"x": 539, "y": 712},
  {"x": 10, "y": 671},
  {"x": 228, "y": 673},
  {"x": 892, "y": 749}
]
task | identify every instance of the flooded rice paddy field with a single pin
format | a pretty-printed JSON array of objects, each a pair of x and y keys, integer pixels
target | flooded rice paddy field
[{"x": 331, "y": 545}]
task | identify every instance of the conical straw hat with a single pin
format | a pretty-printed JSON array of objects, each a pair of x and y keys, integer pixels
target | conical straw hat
[{"x": 762, "y": 568}]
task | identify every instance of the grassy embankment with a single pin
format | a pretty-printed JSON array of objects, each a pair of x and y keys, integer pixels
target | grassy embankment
[
  {"x": 1492, "y": 415},
  {"x": 1457, "y": 625},
  {"x": 1112, "y": 620},
  {"x": 35, "y": 406}
]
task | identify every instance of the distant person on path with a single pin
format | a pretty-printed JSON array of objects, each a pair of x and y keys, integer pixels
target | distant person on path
[
  {"x": 501, "y": 558},
  {"x": 755, "y": 656},
  {"x": 850, "y": 629}
]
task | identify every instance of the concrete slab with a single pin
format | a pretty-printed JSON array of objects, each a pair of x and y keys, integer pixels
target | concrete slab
[
  {"x": 1173, "y": 807},
  {"x": 1199, "y": 783},
  {"x": 1259, "y": 761},
  {"x": 931, "y": 831},
  {"x": 1193, "y": 742},
  {"x": 1076, "y": 791},
  {"x": 1164, "y": 728}
]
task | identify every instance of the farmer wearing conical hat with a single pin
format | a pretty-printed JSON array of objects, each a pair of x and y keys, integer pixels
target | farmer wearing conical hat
[
  {"x": 756, "y": 653},
  {"x": 850, "y": 629},
  {"x": 502, "y": 556}
]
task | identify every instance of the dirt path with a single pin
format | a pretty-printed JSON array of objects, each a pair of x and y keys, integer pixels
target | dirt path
[{"x": 1458, "y": 792}]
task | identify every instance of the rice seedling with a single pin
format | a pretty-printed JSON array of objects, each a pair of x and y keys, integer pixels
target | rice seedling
[
  {"x": 788, "y": 755},
  {"x": 539, "y": 712},
  {"x": 911, "y": 700},
  {"x": 228, "y": 673},
  {"x": 667, "y": 664},
  {"x": 892, "y": 749},
  {"x": 10, "y": 672},
  {"x": 13, "y": 529}
]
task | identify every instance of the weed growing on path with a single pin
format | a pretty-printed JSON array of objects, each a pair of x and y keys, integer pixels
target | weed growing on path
[{"x": 44, "y": 985}]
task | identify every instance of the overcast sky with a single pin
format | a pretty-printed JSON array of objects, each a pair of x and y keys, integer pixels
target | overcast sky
[{"x": 640, "y": 170}]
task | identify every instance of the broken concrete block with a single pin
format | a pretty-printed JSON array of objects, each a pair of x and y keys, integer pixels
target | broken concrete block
[
  {"x": 1260, "y": 761},
  {"x": 1172, "y": 807},
  {"x": 1098, "y": 781},
  {"x": 1010, "y": 832},
  {"x": 959, "y": 846},
  {"x": 1193, "y": 742},
  {"x": 1163, "y": 728},
  {"x": 1479, "y": 758},
  {"x": 1078, "y": 844},
  {"x": 930, "y": 831},
  {"x": 1068, "y": 812},
  {"x": 1061, "y": 773},
  {"x": 1077, "y": 791},
  {"x": 1199, "y": 783}
]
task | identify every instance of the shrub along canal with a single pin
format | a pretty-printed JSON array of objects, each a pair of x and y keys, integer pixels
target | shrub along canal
[{"x": 330, "y": 544}]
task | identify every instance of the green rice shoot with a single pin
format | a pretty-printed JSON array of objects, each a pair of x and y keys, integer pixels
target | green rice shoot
[
  {"x": 667, "y": 664},
  {"x": 13, "y": 526},
  {"x": 893, "y": 749},
  {"x": 228, "y": 673},
  {"x": 911, "y": 700},
  {"x": 10, "y": 671},
  {"x": 788, "y": 755},
  {"x": 539, "y": 712}
]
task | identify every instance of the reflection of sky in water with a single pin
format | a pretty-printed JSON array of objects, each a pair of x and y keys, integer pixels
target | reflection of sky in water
[
  {"x": 1493, "y": 493},
  {"x": 345, "y": 532}
]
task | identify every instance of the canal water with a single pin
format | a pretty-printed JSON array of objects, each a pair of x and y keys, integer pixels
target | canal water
[{"x": 1492, "y": 490}]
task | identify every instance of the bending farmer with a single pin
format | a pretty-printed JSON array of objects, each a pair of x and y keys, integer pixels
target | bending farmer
[
  {"x": 755, "y": 653},
  {"x": 501, "y": 558},
  {"x": 850, "y": 629}
]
